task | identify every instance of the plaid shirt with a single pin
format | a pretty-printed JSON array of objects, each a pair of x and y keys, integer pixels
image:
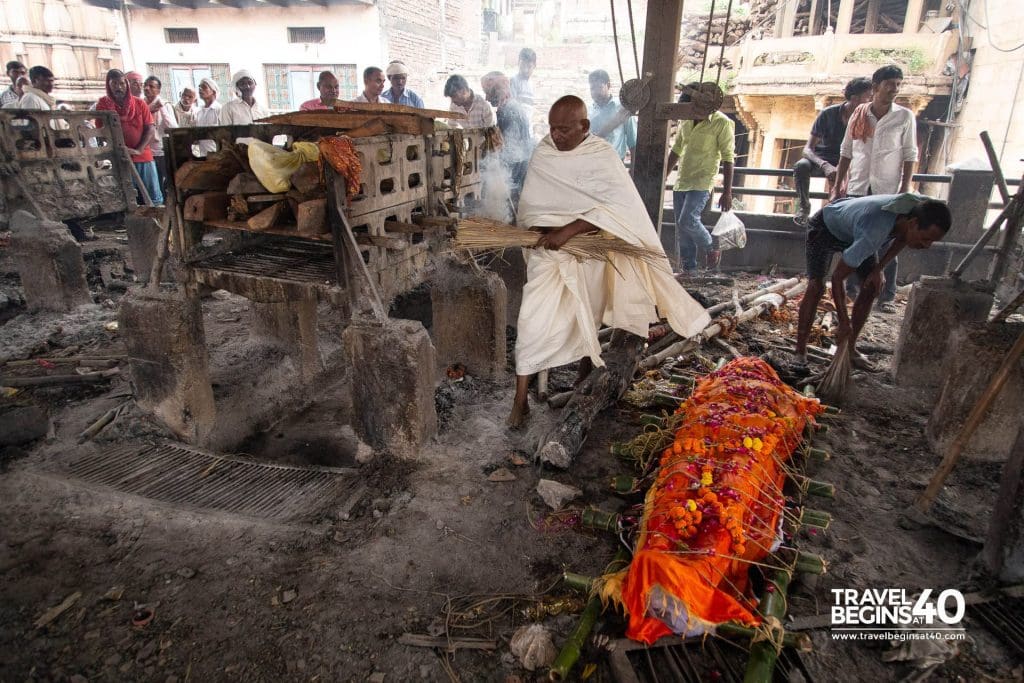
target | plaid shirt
[
  {"x": 480, "y": 114},
  {"x": 8, "y": 96}
]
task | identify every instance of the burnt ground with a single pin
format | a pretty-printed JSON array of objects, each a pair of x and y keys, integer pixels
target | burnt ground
[{"x": 433, "y": 546}]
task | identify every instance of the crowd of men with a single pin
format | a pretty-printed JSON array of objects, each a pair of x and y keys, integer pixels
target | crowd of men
[{"x": 573, "y": 181}]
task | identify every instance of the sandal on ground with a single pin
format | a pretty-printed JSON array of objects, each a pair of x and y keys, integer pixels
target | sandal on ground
[{"x": 887, "y": 307}]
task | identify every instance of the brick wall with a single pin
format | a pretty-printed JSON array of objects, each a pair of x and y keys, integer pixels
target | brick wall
[{"x": 432, "y": 36}]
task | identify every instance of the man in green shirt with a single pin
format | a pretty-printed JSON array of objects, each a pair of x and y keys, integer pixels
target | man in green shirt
[{"x": 699, "y": 146}]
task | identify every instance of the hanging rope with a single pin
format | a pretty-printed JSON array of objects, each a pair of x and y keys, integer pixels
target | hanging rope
[
  {"x": 725, "y": 36},
  {"x": 707, "y": 42},
  {"x": 632, "y": 36},
  {"x": 615, "y": 38}
]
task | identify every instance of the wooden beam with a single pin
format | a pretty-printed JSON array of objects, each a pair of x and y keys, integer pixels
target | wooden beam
[{"x": 661, "y": 42}]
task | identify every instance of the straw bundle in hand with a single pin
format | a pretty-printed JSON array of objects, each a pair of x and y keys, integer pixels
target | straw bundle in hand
[
  {"x": 483, "y": 234},
  {"x": 832, "y": 386}
]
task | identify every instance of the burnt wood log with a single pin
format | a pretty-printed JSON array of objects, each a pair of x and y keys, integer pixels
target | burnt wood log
[{"x": 600, "y": 389}]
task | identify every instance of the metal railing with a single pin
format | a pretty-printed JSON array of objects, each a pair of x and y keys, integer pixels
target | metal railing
[{"x": 739, "y": 190}]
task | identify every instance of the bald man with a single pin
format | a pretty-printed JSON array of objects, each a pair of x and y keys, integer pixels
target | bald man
[{"x": 577, "y": 184}]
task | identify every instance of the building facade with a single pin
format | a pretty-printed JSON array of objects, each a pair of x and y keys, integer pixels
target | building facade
[{"x": 79, "y": 42}]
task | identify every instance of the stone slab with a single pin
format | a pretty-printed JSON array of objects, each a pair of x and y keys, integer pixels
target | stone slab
[{"x": 49, "y": 262}]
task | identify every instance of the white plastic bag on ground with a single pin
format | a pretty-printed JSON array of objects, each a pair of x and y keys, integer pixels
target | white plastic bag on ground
[{"x": 730, "y": 232}]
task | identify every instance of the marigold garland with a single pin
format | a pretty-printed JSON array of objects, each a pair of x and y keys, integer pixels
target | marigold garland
[{"x": 716, "y": 502}]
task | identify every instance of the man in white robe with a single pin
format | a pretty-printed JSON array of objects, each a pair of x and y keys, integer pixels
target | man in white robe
[{"x": 575, "y": 184}]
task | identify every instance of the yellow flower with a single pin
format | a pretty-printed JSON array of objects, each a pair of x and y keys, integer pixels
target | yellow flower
[
  {"x": 706, "y": 479},
  {"x": 748, "y": 442},
  {"x": 758, "y": 444},
  {"x": 691, "y": 505}
]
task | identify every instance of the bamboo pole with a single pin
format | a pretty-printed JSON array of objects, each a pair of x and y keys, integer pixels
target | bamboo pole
[
  {"x": 793, "y": 639},
  {"x": 52, "y": 380},
  {"x": 570, "y": 652},
  {"x": 764, "y": 302},
  {"x": 763, "y": 653},
  {"x": 974, "y": 419}
]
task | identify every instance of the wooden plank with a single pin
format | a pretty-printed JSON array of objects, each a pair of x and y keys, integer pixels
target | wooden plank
[
  {"x": 264, "y": 198},
  {"x": 311, "y": 217},
  {"x": 362, "y": 109},
  {"x": 211, "y": 206},
  {"x": 267, "y": 218},
  {"x": 661, "y": 41},
  {"x": 395, "y": 243},
  {"x": 245, "y": 183},
  {"x": 409, "y": 228},
  {"x": 285, "y": 230}
]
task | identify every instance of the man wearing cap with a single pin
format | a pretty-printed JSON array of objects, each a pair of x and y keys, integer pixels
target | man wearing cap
[
  {"x": 398, "y": 74},
  {"x": 245, "y": 109},
  {"x": 209, "y": 113},
  {"x": 137, "y": 128},
  {"x": 329, "y": 89},
  {"x": 373, "y": 85}
]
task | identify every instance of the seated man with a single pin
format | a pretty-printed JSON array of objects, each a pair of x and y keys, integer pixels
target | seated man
[
  {"x": 857, "y": 228},
  {"x": 576, "y": 184}
]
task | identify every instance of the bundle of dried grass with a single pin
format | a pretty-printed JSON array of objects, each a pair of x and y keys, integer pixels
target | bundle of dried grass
[
  {"x": 833, "y": 384},
  {"x": 486, "y": 235}
]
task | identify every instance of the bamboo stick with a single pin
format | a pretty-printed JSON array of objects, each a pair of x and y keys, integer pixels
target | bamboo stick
[
  {"x": 974, "y": 419},
  {"x": 78, "y": 360},
  {"x": 815, "y": 518},
  {"x": 570, "y": 652},
  {"x": 599, "y": 520},
  {"x": 51, "y": 380},
  {"x": 820, "y": 489},
  {"x": 763, "y": 653},
  {"x": 762, "y": 303},
  {"x": 797, "y": 641},
  {"x": 577, "y": 582}
]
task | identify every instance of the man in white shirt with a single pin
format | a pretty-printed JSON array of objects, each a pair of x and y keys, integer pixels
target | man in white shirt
[
  {"x": 373, "y": 85},
  {"x": 478, "y": 112},
  {"x": 163, "y": 120},
  {"x": 878, "y": 154},
  {"x": 209, "y": 113},
  {"x": 37, "y": 94},
  {"x": 245, "y": 109}
]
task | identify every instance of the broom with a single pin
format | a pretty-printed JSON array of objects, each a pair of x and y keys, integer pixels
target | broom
[
  {"x": 483, "y": 234},
  {"x": 832, "y": 386}
]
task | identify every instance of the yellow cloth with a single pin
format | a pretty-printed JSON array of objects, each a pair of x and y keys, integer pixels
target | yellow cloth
[{"x": 565, "y": 301}]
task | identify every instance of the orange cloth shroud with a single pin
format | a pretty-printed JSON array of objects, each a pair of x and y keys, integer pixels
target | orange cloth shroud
[{"x": 716, "y": 503}]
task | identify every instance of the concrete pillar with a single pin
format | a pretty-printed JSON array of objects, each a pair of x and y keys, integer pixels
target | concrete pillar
[
  {"x": 786, "y": 19},
  {"x": 845, "y": 16},
  {"x": 169, "y": 367},
  {"x": 394, "y": 374},
  {"x": 143, "y": 228},
  {"x": 969, "y": 191},
  {"x": 936, "y": 307},
  {"x": 469, "y": 321},
  {"x": 291, "y": 325},
  {"x": 912, "y": 19},
  {"x": 975, "y": 353},
  {"x": 49, "y": 262},
  {"x": 511, "y": 268},
  {"x": 1003, "y": 554}
]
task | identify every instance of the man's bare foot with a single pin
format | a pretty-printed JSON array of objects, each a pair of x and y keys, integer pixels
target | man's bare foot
[{"x": 518, "y": 416}]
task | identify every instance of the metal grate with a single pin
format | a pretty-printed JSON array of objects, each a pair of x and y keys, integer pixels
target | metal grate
[
  {"x": 291, "y": 261},
  {"x": 1003, "y": 618},
  {"x": 694, "y": 661},
  {"x": 181, "y": 35},
  {"x": 306, "y": 34},
  {"x": 177, "y": 474}
]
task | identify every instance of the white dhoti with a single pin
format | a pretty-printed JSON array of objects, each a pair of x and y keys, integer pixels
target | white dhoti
[{"x": 565, "y": 301}]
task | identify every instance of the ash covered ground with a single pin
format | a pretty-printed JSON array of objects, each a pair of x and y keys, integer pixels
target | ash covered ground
[{"x": 434, "y": 546}]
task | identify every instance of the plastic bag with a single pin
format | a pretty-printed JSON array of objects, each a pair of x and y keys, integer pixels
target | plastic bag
[
  {"x": 730, "y": 232},
  {"x": 274, "y": 166}
]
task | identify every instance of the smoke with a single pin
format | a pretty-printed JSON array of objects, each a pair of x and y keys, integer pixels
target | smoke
[{"x": 496, "y": 198}]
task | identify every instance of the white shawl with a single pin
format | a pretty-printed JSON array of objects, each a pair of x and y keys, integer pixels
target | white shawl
[{"x": 565, "y": 300}]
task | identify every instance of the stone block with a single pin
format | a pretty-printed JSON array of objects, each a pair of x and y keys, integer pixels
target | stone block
[
  {"x": 22, "y": 424},
  {"x": 510, "y": 266},
  {"x": 936, "y": 308},
  {"x": 394, "y": 374},
  {"x": 168, "y": 361},
  {"x": 49, "y": 262},
  {"x": 969, "y": 191},
  {"x": 469, "y": 318},
  {"x": 292, "y": 327},
  {"x": 143, "y": 234},
  {"x": 975, "y": 353}
]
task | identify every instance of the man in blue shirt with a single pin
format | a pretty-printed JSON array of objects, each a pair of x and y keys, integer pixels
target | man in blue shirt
[
  {"x": 857, "y": 228},
  {"x": 608, "y": 119},
  {"x": 398, "y": 73}
]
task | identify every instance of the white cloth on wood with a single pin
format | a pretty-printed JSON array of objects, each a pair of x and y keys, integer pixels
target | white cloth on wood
[{"x": 565, "y": 300}]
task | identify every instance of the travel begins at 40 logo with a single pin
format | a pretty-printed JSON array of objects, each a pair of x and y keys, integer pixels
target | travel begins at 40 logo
[{"x": 894, "y": 614}]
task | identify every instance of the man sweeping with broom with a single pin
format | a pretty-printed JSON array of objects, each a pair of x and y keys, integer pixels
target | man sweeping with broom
[
  {"x": 857, "y": 228},
  {"x": 576, "y": 184}
]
